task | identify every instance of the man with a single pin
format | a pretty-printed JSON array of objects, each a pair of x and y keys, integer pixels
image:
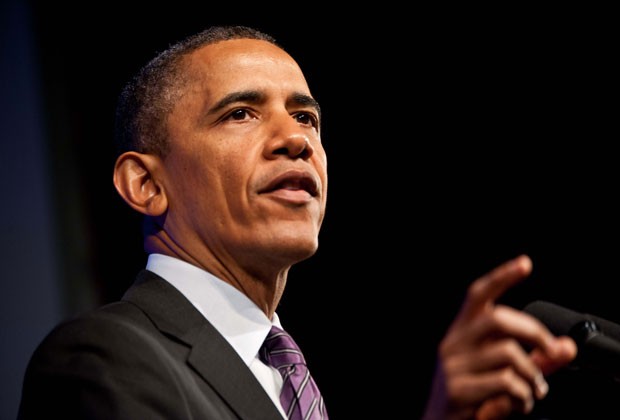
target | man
[{"x": 220, "y": 150}]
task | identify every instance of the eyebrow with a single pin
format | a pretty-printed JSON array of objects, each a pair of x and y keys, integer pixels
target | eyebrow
[
  {"x": 254, "y": 96},
  {"x": 306, "y": 100}
]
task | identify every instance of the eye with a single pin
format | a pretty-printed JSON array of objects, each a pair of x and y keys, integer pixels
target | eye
[
  {"x": 238, "y": 115},
  {"x": 307, "y": 118}
]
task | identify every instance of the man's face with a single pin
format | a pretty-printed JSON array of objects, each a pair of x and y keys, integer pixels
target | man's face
[{"x": 246, "y": 175}]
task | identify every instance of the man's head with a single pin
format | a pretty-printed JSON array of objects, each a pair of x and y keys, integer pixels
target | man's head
[{"x": 220, "y": 148}]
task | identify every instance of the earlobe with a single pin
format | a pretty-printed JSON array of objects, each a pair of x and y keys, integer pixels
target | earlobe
[{"x": 136, "y": 180}]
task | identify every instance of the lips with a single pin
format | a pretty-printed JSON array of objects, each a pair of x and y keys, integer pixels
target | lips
[{"x": 293, "y": 180}]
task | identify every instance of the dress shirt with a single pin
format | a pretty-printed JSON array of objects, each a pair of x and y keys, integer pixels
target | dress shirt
[{"x": 243, "y": 324}]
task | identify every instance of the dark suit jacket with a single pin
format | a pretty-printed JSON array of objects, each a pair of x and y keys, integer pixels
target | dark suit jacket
[{"x": 150, "y": 356}]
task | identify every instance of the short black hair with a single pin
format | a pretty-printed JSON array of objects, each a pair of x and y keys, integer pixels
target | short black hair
[{"x": 151, "y": 94}]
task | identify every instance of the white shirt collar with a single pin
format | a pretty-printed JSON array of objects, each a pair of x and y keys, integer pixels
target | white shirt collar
[{"x": 243, "y": 324}]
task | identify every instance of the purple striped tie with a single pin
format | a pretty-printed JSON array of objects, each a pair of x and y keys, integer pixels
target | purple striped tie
[{"x": 300, "y": 397}]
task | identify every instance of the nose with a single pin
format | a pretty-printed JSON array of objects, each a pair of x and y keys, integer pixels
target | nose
[{"x": 289, "y": 139}]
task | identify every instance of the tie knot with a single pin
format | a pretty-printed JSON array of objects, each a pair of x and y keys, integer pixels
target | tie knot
[
  {"x": 280, "y": 350},
  {"x": 300, "y": 397}
]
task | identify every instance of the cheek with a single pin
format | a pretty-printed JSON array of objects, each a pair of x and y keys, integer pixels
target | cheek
[
  {"x": 321, "y": 167},
  {"x": 232, "y": 172},
  {"x": 196, "y": 183},
  {"x": 229, "y": 185}
]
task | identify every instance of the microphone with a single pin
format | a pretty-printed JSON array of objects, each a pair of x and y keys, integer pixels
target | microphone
[{"x": 598, "y": 340}]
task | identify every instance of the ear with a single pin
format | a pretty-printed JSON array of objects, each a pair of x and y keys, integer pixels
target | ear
[{"x": 136, "y": 180}]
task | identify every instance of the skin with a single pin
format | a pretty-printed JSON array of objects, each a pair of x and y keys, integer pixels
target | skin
[
  {"x": 484, "y": 371},
  {"x": 242, "y": 191},
  {"x": 242, "y": 194}
]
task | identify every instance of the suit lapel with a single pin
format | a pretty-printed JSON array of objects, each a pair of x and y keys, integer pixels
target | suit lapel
[
  {"x": 227, "y": 373},
  {"x": 211, "y": 355}
]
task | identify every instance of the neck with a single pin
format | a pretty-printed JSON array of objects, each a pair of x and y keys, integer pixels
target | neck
[{"x": 263, "y": 284}]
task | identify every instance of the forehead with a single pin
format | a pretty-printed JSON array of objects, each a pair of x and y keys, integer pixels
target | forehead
[{"x": 245, "y": 64}]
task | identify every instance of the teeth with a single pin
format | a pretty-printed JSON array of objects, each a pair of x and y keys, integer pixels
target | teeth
[{"x": 296, "y": 184}]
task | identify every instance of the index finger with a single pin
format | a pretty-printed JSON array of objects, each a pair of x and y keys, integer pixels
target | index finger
[{"x": 485, "y": 290}]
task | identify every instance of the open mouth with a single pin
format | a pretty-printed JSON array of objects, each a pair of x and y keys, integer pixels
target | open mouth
[{"x": 293, "y": 181}]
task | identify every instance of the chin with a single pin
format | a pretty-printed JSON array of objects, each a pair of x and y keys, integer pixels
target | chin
[
  {"x": 295, "y": 248},
  {"x": 299, "y": 250}
]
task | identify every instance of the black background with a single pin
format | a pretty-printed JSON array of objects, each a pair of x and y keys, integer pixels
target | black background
[{"x": 457, "y": 137}]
